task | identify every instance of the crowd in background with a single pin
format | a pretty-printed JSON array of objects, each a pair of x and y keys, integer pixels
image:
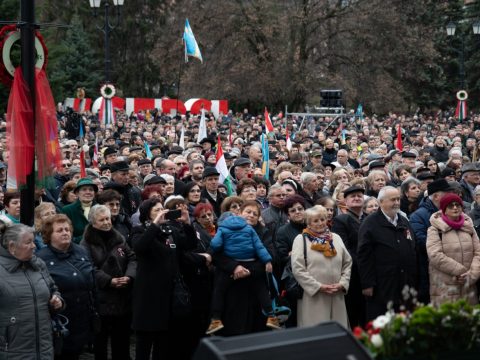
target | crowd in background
[{"x": 361, "y": 224}]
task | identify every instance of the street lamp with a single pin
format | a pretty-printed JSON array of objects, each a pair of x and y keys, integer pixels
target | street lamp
[
  {"x": 107, "y": 28},
  {"x": 451, "y": 27}
]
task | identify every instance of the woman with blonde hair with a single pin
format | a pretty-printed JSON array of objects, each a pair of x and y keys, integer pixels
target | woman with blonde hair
[
  {"x": 376, "y": 180},
  {"x": 42, "y": 212},
  {"x": 322, "y": 266},
  {"x": 338, "y": 176}
]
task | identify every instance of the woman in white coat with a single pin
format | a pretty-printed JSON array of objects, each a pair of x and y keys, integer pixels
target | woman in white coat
[{"x": 326, "y": 275}]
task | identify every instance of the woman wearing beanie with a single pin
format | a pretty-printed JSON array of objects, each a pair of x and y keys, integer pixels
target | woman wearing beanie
[{"x": 453, "y": 249}]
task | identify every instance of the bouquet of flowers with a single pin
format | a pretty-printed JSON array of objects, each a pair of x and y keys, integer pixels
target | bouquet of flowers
[{"x": 449, "y": 331}]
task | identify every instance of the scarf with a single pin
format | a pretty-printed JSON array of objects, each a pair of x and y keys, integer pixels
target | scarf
[
  {"x": 321, "y": 242},
  {"x": 454, "y": 224}
]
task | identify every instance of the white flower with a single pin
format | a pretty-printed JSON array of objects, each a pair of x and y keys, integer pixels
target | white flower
[
  {"x": 381, "y": 321},
  {"x": 377, "y": 340}
]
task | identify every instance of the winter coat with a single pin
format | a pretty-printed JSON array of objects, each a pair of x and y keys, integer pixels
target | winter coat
[
  {"x": 274, "y": 217},
  {"x": 131, "y": 196},
  {"x": 467, "y": 195},
  {"x": 452, "y": 253},
  {"x": 215, "y": 203},
  {"x": 284, "y": 240},
  {"x": 329, "y": 155},
  {"x": 239, "y": 241},
  {"x": 161, "y": 252},
  {"x": 73, "y": 273},
  {"x": 347, "y": 226},
  {"x": 74, "y": 211},
  {"x": 315, "y": 306},
  {"x": 440, "y": 154},
  {"x": 25, "y": 325},
  {"x": 112, "y": 258},
  {"x": 420, "y": 222},
  {"x": 386, "y": 261}
]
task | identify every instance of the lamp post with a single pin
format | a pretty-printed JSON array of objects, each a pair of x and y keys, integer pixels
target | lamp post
[
  {"x": 451, "y": 29},
  {"x": 107, "y": 28}
]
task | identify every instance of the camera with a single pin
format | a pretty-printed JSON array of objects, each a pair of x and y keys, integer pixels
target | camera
[{"x": 173, "y": 214}]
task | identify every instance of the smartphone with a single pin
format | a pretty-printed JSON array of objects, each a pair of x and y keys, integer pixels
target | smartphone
[{"x": 173, "y": 214}]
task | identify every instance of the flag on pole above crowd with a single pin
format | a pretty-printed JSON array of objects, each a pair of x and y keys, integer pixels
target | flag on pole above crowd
[
  {"x": 399, "y": 143},
  {"x": 83, "y": 171},
  {"x": 221, "y": 167},
  {"x": 265, "y": 158},
  {"x": 202, "y": 128},
  {"x": 359, "y": 112},
  {"x": 181, "y": 142},
  {"x": 191, "y": 46},
  {"x": 268, "y": 122},
  {"x": 289, "y": 142},
  {"x": 106, "y": 115}
]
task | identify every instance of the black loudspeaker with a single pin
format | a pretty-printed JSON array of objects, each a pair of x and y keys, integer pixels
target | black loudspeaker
[{"x": 329, "y": 341}]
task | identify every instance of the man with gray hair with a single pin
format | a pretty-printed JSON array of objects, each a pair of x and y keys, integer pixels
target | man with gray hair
[
  {"x": 310, "y": 188},
  {"x": 420, "y": 222},
  {"x": 386, "y": 255},
  {"x": 274, "y": 216}
]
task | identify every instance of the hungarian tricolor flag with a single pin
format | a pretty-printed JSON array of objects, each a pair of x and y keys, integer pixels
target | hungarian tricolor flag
[
  {"x": 268, "y": 122},
  {"x": 221, "y": 167},
  {"x": 461, "y": 111}
]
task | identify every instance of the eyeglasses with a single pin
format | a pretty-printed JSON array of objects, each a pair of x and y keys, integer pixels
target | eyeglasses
[
  {"x": 454, "y": 205},
  {"x": 66, "y": 165},
  {"x": 297, "y": 209},
  {"x": 249, "y": 190}
]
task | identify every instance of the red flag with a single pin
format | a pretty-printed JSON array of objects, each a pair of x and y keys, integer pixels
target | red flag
[
  {"x": 268, "y": 122},
  {"x": 20, "y": 135},
  {"x": 83, "y": 172},
  {"x": 399, "y": 144}
]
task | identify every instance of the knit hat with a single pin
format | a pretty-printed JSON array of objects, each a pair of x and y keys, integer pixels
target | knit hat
[{"x": 448, "y": 199}]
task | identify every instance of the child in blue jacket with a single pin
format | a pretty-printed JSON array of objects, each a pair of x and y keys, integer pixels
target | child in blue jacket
[{"x": 239, "y": 241}]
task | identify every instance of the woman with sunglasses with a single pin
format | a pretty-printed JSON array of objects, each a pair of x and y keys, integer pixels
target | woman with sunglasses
[{"x": 453, "y": 250}]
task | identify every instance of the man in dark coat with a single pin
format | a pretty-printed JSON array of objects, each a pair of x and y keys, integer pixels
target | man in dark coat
[
  {"x": 420, "y": 222},
  {"x": 210, "y": 192},
  {"x": 386, "y": 255},
  {"x": 131, "y": 196},
  {"x": 347, "y": 226},
  {"x": 470, "y": 180}
]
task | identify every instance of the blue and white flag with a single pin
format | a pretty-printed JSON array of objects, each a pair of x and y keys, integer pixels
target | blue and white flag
[
  {"x": 359, "y": 112},
  {"x": 191, "y": 46}
]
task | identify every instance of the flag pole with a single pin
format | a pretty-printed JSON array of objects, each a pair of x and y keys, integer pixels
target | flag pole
[{"x": 178, "y": 84}]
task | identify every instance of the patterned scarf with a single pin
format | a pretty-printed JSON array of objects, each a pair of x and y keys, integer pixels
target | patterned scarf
[{"x": 321, "y": 242}]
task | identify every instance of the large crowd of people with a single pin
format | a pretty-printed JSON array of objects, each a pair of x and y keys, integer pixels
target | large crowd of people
[{"x": 367, "y": 213}]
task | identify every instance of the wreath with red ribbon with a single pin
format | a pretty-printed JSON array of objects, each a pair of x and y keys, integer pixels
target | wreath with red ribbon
[{"x": 5, "y": 32}]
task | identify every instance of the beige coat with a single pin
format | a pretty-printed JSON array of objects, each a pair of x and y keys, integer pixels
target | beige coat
[
  {"x": 454, "y": 253},
  {"x": 316, "y": 306}
]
